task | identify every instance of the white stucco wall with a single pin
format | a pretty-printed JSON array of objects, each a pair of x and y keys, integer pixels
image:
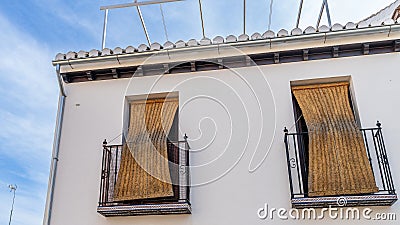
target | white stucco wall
[{"x": 228, "y": 115}]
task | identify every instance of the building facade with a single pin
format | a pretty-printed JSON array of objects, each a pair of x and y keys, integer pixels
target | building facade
[{"x": 221, "y": 131}]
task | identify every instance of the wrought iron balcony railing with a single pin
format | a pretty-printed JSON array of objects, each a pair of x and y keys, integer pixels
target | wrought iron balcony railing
[
  {"x": 296, "y": 155},
  {"x": 178, "y": 153}
]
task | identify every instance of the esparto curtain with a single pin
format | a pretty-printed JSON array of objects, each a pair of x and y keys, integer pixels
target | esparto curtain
[
  {"x": 144, "y": 171},
  {"x": 338, "y": 162}
]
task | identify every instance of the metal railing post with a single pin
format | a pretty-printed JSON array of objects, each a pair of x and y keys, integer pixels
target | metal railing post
[{"x": 285, "y": 130}]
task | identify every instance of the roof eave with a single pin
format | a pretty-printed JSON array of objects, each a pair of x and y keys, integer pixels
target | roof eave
[{"x": 288, "y": 41}]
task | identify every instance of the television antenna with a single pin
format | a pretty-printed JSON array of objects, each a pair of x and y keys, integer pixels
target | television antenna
[
  {"x": 136, "y": 4},
  {"x": 324, "y": 6},
  {"x": 12, "y": 188}
]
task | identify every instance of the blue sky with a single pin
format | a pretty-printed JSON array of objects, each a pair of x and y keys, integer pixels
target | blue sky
[{"x": 32, "y": 32}]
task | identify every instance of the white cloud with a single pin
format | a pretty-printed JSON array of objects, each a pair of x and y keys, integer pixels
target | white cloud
[
  {"x": 28, "y": 98},
  {"x": 75, "y": 14},
  {"x": 27, "y": 74},
  {"x": 25, "y": 134},
  {"x": 28, "y": 207}
]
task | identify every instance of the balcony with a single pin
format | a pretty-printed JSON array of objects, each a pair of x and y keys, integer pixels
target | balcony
[
  {"x": 296, "y": 156},
  {"x": 178, "y": 153}
]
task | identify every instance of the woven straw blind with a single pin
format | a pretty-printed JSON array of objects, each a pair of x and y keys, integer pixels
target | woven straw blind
[
  {"x": 144, "y": 171},
  {"x": 338, "y": 162}
]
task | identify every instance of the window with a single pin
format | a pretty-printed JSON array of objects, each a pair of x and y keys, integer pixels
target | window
[
  {"x": 148, "y": 173},
  {"x": 329, "y": 156}
]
